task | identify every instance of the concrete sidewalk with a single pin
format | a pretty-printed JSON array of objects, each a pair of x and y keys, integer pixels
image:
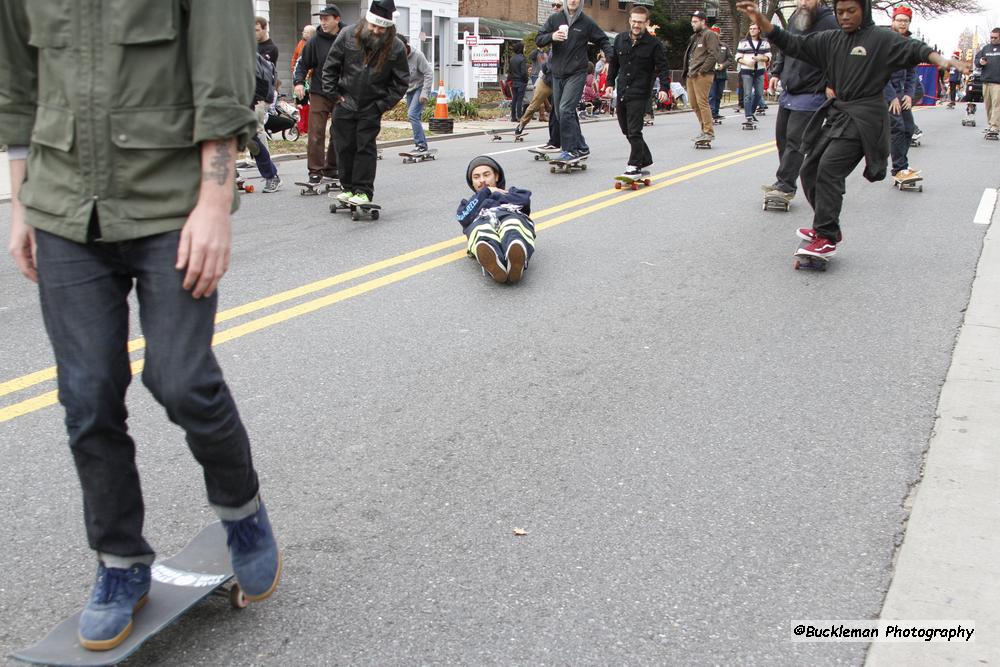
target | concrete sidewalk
[{"x": 948, "y": 566}]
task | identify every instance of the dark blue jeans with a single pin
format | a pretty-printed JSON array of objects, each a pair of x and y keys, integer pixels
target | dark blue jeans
[
  {"x": 566, "y": 94},
  {"x": 902, "y": 127},
  {"x": 265, "y": 165},
  {"x": 84, "y": 292},
  {"x": 715, "y": 95},
  {"x": 517, "y": 101}
]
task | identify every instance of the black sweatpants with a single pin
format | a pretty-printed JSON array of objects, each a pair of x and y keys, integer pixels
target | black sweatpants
[
  {"x": 631, "y": 114},
  {"x": 788, "y": 130},
  {"x": 824, "y": 173},
  {"x": 355, "y": 135}
]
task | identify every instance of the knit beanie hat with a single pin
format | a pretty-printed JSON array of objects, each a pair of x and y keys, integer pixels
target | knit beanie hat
[{"x": 492, "y": 164}]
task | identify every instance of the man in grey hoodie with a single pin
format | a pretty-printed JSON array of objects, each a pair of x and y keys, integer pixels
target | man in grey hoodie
[
  {"x": 421, "y": 80},
  {"x": 569, "y": 32}
]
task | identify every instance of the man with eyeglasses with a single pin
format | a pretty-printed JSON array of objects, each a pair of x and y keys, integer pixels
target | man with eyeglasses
[
  {"x": 569, "y": 31},
  {"x": 988, "y": 59}
]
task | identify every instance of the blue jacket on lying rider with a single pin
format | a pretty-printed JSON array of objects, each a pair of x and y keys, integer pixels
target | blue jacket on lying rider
[{"x": 496, "y": 221}]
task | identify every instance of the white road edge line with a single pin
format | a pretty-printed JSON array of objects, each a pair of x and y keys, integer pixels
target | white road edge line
[
  {"x": 985, "y": 211},
  {"x": 511, "y": 150}
]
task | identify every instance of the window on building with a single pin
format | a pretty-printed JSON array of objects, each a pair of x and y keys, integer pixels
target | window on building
[
  {"x": 427, "y": 32},
  {"x": 403, "y": 22},
  {"x": 605, "y": 4}
]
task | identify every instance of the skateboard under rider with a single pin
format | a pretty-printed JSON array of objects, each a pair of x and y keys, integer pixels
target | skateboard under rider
[
  {"x": 633, "y": 181},
  {"x": 418, "y": 156},
  {"x": 357, "y": 210},
  {"x": 809, "y": 262},
  {"x": 202, "y": 568},
  {"x": 777, "y": 200},
  {"x": 914, "y": 182},
  {"x": 544, "y": 155},
  {"x": 702, "y": 143},
  {"x": 498, "y": 135},
  {"x": 568, "y": 166},
  {"x": 321, "y": 188}
]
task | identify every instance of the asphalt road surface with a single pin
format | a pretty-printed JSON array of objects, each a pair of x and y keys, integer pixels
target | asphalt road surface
[{"x": 700, "y": 442}]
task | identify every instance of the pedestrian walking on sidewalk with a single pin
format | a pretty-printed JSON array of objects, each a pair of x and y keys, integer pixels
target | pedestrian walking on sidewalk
[{"x": 123, "y": 180}]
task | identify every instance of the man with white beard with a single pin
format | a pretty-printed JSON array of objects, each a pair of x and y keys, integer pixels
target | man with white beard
[{"x": 803, "y": 92}]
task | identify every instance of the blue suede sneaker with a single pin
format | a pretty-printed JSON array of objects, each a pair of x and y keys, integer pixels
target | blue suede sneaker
[
  {"x": 254, "y": 554},
  {"x": 107, "y": 619}
]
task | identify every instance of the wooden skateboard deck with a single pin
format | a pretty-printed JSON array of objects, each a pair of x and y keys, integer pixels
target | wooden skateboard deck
[
  {"x": 632, "y": 182},
  {"x": 357, "y": 210},
  {"x": 412, "y": 156},
  {"x": 914, "y": 183},
  {"x": 703, "y": 143},
  {"x": 321, "y": 188},
  {"x": 179, "y": 583},
  {"x": 568, "y": 166}
]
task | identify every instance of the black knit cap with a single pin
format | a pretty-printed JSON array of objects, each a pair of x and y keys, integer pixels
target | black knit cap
[{"x": 492, "y": 164}]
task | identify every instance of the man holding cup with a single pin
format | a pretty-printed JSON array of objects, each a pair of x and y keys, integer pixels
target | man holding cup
[{"x": 569, "y": 31}]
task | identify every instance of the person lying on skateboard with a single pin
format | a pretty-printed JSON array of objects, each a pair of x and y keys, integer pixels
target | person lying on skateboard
[{"x": 495, "y": 220}]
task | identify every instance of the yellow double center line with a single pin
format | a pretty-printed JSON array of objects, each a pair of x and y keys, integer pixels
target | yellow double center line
[{"x": 603, "y": 199}]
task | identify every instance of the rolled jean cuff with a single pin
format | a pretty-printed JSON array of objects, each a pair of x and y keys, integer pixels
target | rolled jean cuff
[
  {"x": 125, "y": 562},
  {"x": 238, "y": 513},
  {"x": 17, "y": 153}
]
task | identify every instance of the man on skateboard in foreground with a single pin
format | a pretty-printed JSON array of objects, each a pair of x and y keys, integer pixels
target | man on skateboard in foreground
[
  {"x": 366, "y": 74},
  {"x": 858, "y": 60},
  {"x": 122, "y": 179},
  {"x": 635, "y": 58}
]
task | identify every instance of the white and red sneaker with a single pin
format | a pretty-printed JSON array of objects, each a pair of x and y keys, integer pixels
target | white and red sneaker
[
  {"x": 809, "y": 234},
  {"x": 820, "y": 247}
]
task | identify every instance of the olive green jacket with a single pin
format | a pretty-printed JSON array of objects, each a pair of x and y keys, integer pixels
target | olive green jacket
[{"x": 114, "y": 97}]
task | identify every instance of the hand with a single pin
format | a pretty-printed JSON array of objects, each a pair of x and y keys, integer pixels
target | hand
[
  {"x": 300, "y": 92},
  {"x": 773, "y": 84},
  {"x": 894, "y": 107},
  {"x": 982, "y": 61},
  {"x": 907, "y": 102},
  {"x": 559, "y": 36},
  {"x": 662, "y": 96},
  {"x": 749, "y": 8},
  {"x": 609, "y": 91},
  {"x": 423, "y": 99},
  {"x": 22, "y": 244},
  {"x": 206, "y": 241},
  {"x": 500, "y": 190}
]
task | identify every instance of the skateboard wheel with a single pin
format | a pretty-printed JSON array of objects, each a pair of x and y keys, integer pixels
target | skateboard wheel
[
  {"x": 583, "y": 167},
  {"x": 647, "y": 182},
  {"x": 635, "y": 186},
  {"x": 303, "y": 191},
  {"x": 248, "y": 189},
  {"x": 763, "y": 206},
  {"x": 333, "y": 208},
  {"x": 618, "y": 185},
  {"x": 920, "y": 188},
  {"x": 552, "y": 170},
  {"x": 797, "y": 265},
  {"x": 374, "y": 214},
  {"x": 354, "y": 214},
  {"x": 237, "y": 599}
]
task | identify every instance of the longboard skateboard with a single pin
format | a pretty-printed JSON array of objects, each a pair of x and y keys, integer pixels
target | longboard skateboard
[
  {"x": 357, "y": 210},
  {"x": 703, "y": 143},
  {"x": 202, "y": 568},
  {"x": 498, "y": 135},
  {"x": 321, "y": 188},
  {"x": 633, "y": 181},
  {"x": 568, "y": 166},
  {"x": 544, "y": 156},
  {"x": 778, "y": 201},
  {"x": 809, "y": 262},
  {"x": 415, "y": 156},
  {"x": 912, "y": 183}
]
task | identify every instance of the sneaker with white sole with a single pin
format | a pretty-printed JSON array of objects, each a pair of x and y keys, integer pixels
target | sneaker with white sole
[
  {"x": 490, "y": 260},
  {"x": 345, "y": 196},
  {"x": 517, "y": 261},
  {"x": 819, "y": 247},
  {"x": 359, "y": 199}
]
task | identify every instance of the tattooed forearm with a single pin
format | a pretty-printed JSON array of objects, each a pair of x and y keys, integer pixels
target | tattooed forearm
[{"x": 221, "y": 165}]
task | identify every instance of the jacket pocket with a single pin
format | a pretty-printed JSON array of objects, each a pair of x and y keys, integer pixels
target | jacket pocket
[
  {"x": 143, "y": 21},
  {"x": 156, "y": 164},
  {"x": 54, "y": 127},
  {"x": 50, "y": 23}
]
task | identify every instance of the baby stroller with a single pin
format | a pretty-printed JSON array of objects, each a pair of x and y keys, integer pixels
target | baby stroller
[{"x": 283, "y": 118}]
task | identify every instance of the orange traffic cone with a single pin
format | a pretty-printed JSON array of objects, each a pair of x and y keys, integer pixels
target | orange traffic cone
[{"x": 441, "y": 109}]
